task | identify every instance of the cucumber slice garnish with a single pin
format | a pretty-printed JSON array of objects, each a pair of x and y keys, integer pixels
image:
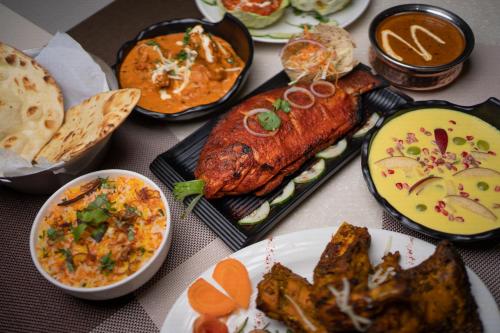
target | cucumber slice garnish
[
  {"x": 367, "y": 126},
  {"x": 287, "y": 193},
  {"x": 257, "y": 215},
  {"x": 312, "y": 173},
  {"x": 333, "y": 151}
]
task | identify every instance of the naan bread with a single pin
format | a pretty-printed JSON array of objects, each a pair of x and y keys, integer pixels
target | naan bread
[
  {"x": 89, "y": 122},
  {"x": 31, "y": 104}
]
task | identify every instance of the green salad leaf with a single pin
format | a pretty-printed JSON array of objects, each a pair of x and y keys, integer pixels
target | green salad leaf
[{"x": 269, "y": 120}]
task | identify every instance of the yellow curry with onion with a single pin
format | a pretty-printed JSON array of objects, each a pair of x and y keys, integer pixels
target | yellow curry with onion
[
  {"x": 101, "y": 232},
  {"x": 181, "y": 70}
]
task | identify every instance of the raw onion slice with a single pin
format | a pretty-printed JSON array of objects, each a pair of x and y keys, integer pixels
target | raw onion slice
[
  {"x": 294, "y": 89},
  {"x": 315, "y": 86},
  {"x": 254, "y": 112}
]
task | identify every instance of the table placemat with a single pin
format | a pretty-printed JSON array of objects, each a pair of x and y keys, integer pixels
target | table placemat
[
  {"x": 483, "y": 259},
  {"x": 29, "y": 303}
]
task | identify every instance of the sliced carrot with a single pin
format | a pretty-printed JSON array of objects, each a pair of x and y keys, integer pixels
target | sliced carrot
[
  {"x": 209, "y": 324},
  {"x": 206, "y": 299},
  {"x": 232, "y": 275}
]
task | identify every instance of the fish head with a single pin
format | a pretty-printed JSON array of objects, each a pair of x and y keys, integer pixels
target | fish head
[{"x": 224, "y": 167}]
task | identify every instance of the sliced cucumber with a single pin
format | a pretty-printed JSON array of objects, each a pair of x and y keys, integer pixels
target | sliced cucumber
[
  {"x": 312, "y": 173},
  {"x": 367, "y": 126},
  {"x": 333, "y": 151},
  {"x": 287, "y": 193},
  {"x": 257, "y": 215}
]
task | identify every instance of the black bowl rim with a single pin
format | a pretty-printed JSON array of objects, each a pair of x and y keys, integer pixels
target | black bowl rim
[
  {"x": 201, "y": 110},
  {"x": 433, "y": 10},
  {"x": 407, "y": 222}
]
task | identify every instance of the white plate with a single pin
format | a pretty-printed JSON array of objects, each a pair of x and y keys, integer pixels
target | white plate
[
  {"x": 344, "y": 17},
  {"x": 300, "y": 251}
]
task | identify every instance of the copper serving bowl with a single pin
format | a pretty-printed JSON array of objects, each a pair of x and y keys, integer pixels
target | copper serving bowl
[{"x": 419, "y": 77}]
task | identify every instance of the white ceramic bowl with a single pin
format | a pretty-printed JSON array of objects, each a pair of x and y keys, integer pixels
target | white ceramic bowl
[{"x": 121, "y": 287}]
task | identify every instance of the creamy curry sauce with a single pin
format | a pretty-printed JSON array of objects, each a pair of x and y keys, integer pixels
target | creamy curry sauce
[
  {"x": 420, "y": 39},
  {"x": 457, "y": 192},
  {"x": 182, "y": 70}
]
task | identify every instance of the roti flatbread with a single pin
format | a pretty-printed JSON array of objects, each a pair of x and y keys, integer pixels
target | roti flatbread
[
  {"x": 89, "y": 122},
  {"x": 31, "y": 103}
]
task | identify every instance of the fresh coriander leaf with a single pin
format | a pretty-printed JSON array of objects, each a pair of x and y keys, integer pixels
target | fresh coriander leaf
[
  {"x": 100, "y": 201},
  {"x": 297, "y": 11},
  {"x": 182, "y": 55},
  {"x": 142, "y": 250},
  {"x": 77, "y": 232},
  {"x": 185, "y": 39},
  {"x": 269, "y": 120},
  {"x": 107, "y": 263},
  {"x": 106, "y": 183},
  {"x": 321, "y": 18},
  {"x": 54, "y": 234},
  {"x": 152, "y": 43},
  {"x": 131, "y": 233},
  {"x": 69, "y": 259},
  {"x": 281, "y": 104},
  {"x": 98, "y": 233},
  {"x": 93, "y": 217}
]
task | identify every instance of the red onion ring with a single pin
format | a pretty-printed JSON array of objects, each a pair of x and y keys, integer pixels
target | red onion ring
[
  {"x": 299, "y": 89},
  {"x": 326, "y": 83},
  {"x": 251, "y": 113}
]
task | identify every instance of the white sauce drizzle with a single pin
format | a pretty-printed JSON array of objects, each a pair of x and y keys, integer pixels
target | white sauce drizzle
[
  {"x": 360, "y": 323},
  {"x": 421, "y": 51},
  {"x": 380, "y": 276},
  {"x": 301, "y": 313}
]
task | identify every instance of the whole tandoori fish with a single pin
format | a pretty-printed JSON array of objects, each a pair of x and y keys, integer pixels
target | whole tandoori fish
[{"x": 241, "y": 157}]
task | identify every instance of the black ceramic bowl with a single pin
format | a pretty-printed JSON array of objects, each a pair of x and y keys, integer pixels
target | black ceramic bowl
[
  {"x": 487, "y": 111},
  {"x": 229, "y": 28}
]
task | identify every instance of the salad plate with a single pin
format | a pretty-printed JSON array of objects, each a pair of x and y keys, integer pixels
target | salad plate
[
  {"x": 300, "y": 251},
  {"x": 291, "y": 22}
]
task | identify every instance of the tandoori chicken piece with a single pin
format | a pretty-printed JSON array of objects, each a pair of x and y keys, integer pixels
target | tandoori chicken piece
[
  {"x": 236, "y": 161},
  {"x": 348, "y": 295},
  {"x": 342, "y": 282},
  {"x": 284, "y": 295}
]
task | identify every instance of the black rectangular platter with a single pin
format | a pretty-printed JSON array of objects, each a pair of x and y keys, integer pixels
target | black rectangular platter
[{"x": 222, "y": 215}]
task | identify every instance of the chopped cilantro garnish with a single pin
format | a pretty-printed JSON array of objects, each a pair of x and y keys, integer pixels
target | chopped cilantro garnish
[
  {"x": 98, "y": 233},
  {"x": 182, "y": 56},
  {"x": 321, "y": 18},
  {"x": 281, "y": 104},
  {"x": 142, "y": 250},
  {"x": 78, "y": 231},
  {"x": 152, "y": 43},
  {"x": 297, "y": 11},
  {"x": 54, "y": 234},
  {"x": 269, "y": 120},
  {"x": 131, "y": 233},
  {"x": 107, "y": 264},
  {"x": 106, "y": 183},
  {"x": 185, "y": 39},
  {"x": 69, "y": 259},
  {"x": 96, "y": 212}
]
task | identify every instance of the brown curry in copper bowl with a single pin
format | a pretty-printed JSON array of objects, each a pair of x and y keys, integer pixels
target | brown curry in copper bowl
[
  {"x": 419, "y": 47},
  {"x": 186, "y": 68}
]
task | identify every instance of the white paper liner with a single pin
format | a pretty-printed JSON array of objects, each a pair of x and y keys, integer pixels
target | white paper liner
[{"x": 79, "y": 78}]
